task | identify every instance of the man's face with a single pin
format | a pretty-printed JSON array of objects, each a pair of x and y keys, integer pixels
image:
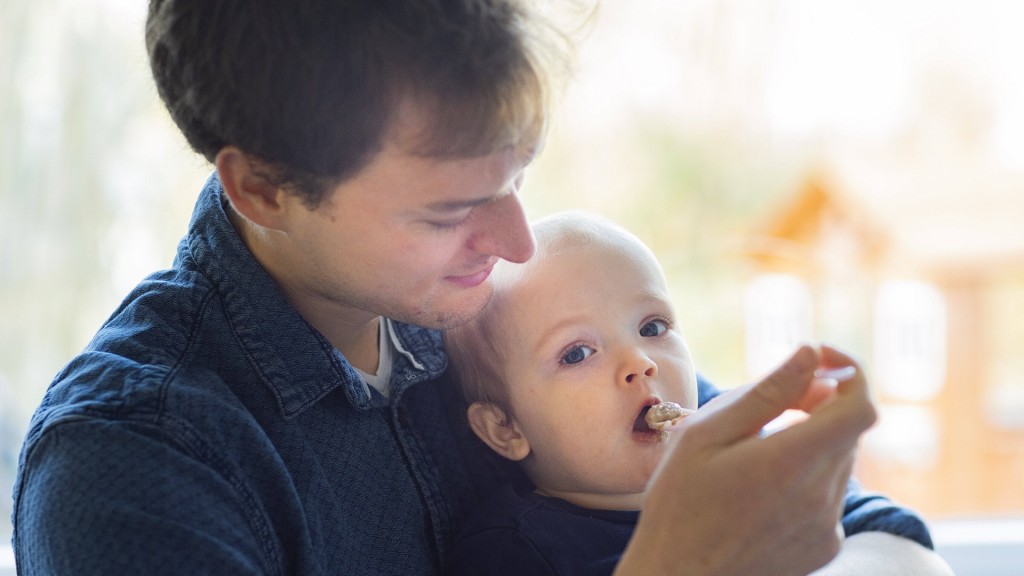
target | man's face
[{"x": 409, "y": 237}]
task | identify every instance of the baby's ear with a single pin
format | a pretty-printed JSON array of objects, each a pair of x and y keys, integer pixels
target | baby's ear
[{"x": 498, "y": 431}]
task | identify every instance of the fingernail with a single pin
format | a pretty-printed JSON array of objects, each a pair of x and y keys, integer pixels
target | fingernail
[{"x": 838, "y": 374}]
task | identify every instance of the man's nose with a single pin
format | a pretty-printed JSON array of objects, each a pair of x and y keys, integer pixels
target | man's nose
[{"x": 503, "y": 230}]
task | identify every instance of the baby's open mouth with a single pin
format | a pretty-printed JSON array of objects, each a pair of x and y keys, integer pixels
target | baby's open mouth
[
  {"x": 640, "y": 424},
  {"x": 663, "y": 415},
  {"x": 656, "y": 421}
]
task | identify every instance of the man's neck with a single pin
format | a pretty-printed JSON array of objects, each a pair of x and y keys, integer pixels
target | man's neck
[
  {"x": 352, "y": 331},
  {"x": 363, "y": 352}
]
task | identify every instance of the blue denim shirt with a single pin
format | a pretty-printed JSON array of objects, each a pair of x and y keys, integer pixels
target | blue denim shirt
[{"x": 208, "y": 429}]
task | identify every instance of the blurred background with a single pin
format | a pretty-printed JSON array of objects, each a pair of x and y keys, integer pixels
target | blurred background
[{"x": 840, "y": 170}]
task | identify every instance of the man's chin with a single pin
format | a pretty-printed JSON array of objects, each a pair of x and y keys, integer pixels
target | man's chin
[
  {"x": 464, "y": 313},
  {"x": 455, "y": 319},
  {"x": 452, "y": 316}
]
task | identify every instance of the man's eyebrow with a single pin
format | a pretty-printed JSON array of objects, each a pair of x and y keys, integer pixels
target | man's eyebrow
[{"x": 456, "y": 205}]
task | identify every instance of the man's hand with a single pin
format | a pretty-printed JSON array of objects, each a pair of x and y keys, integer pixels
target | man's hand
[{"x": 728, "y": 501}]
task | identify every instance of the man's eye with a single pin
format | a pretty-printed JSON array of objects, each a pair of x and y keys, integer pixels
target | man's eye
[
  {"x": 577, "y": 354},
  {"x": 447, "y": 225},
  {"x": 653, "y": 328}
]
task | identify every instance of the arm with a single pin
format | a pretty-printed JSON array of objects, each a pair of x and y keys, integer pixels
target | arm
[
  {"x": 882, "y": 554},
  {"x": 883, "y": 539},
  {"x": 110, "y": 497},
  {"x": 871, "y": 512},
  {"x": 726, "y": 501}
]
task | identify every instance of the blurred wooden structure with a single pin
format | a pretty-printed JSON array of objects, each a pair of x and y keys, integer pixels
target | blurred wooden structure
[{"x": 951, "y": 444}]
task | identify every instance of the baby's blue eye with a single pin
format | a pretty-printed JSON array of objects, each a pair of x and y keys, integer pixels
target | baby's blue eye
[
  {"x": 577, "y": 354},
  {"x": 653, "y": 328}
]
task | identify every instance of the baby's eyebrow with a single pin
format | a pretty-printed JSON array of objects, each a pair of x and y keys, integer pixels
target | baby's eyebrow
[
  {"x": 552, "y": 330},
  {"x": 651, "y": 295}
]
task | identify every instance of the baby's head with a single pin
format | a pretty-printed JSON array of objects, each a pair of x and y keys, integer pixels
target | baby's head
[{"x": 561, "y": 366}]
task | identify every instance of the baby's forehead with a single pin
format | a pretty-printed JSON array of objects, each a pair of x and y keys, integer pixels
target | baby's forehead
[
  {"x": 572, "y": 239},
  {"x": 580, "y": 242}
]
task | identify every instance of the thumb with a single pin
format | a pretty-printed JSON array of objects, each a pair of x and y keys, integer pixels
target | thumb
[{"x": 745, "y": 412}]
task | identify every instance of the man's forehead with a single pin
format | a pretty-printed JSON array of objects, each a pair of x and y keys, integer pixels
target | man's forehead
[{"x": 424, "y": 127}]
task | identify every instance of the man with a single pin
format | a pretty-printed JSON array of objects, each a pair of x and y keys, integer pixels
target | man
[{"x": 275, "y": 403}]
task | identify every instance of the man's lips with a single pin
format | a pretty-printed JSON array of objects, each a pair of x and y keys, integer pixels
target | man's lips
[{"x": 471, "y": 280}]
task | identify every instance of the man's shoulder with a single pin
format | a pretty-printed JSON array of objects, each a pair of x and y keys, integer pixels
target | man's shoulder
[
  {"x": 153, "y": 331},
  {"x": 149, "y": 341}
]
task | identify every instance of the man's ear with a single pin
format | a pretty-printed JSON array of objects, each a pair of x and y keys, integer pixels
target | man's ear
[
  {"x": 498, "y": 431},
  {"x": 251, "y": 194}
]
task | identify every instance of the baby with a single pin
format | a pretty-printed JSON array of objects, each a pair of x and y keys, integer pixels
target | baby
[
  {"x": 567, "y": 371},
  {"x": 561, "y": 370}
]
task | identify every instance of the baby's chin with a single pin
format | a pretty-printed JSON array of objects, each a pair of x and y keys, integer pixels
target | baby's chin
[{"x": 629, "y": 499}]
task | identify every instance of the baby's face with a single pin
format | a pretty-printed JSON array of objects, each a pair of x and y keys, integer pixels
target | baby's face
[{"x": 594, "y": 342}]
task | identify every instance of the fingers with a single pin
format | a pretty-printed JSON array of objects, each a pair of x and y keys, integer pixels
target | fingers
[
  {"x": 745, "y": 412},
  {"x": 781, "y": 495},
  {"x": 840, "y": 410}
]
